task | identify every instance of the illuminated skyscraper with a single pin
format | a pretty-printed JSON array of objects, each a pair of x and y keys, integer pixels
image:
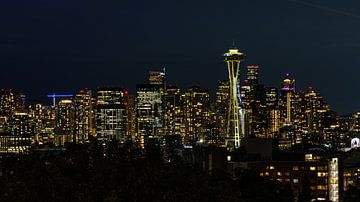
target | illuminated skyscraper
[
  {"x": 252, "y": 81},
  {"x": 20, "y": 101},
  {"x": 355, "y": 123},
  {"x": 245, "y": 92},
  {"x": 109, "y": 96},
  {"x": 7, "y": 102},
  {"x": 173, "y": 118},
  {"x": 149, "y": 110},
  {"x": 274, "y": 123},
  {"x": 130, "y": 115},
  {"x": 44, "y": 120},
  {"x": 65, "y": 121},
  {"x": 253, "y": 74},
  {"x": 287, "y": 134},
  {"x": 18, "y": 137},
  {"x": 196, "y": 109},
  {"x": 271, "y": 97},
  {"x": 110, "y": 115},
  {"x": 157, "y": 78},
  {"x": 236, "y": 115},
  {"x": 84, "y": 116},
  {"x": 287, "y": 94},
  {"x": 221, "y": 107},
  {"x": 254, "y": 103},
  {"x": 274, "y": 115},
  {"x": 315, "y": 111}
]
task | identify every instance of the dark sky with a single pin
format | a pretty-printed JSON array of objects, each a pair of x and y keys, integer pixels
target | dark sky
[{"x": 63, "y": 45}]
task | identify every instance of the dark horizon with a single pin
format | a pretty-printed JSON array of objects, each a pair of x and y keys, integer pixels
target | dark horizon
[{"x": 64, "y": 46}]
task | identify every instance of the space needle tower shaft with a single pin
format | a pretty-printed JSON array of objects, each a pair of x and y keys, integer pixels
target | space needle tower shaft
[{"x": 234, "y": 127}]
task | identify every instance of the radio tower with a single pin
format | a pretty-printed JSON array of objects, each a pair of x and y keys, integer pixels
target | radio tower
[{"x": 235, "y": 120}]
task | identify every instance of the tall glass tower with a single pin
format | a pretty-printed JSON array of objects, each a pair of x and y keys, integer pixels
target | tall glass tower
[{"x": 235, "y": 119}]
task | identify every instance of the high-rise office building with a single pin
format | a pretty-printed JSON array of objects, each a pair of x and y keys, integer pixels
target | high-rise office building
[
  {"x": 109, "y": 96},
  {"x": 84, "y": 116},
  {"x": 20, "y": 101},
  {"x": 7, "y": 102},
  {"x": 173, "y": 115},
  {"x": 221, "y": 107},
  {"x": 110, "y": 115},
  {"x": 196, "y": 109},
  {"x": 44, "y": 120},
  {"x": 271, "y": 97},
  {"x": 130, "y": 115},
  {"x": 245, "y": 92},
  {"x": 355, "y": 123},
  {"x": 274, "y": 122},
  {"x": 252, "y": 81},
  {"x": 65, "y": 121},
  {"x": 157, "y": 78},
  {"x": 332, "y": 136},
  {"x": 253, "y": 74},
  {"x": 20, "y": 131},
  {"x": 315, "y": 111},
  {"x": 287, "y": 106},
  {"x": 236, "y": 121},
  {"x": 149, "y": 110},
  {"x": 287, "y": 98},
  {"x": 254, "y": 99}
]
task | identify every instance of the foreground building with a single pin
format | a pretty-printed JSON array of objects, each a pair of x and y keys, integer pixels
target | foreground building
[{"x": 313, "y": 179}]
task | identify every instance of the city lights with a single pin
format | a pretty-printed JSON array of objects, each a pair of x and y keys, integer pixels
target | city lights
[{"x": 288, "y": 135}]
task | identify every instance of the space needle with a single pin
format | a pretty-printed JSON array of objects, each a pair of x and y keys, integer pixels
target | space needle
[{"x": 236, "y": 114}]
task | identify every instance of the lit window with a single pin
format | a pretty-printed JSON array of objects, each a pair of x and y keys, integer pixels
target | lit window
[
  {"x": 312, "y": 168},
  {"x": 229, "y": 158},
  {"x": 279, "y": 173},
  {"x": 296, "y": 181},
  {"x": 347, "y": 174},
  {"x": 308, "y": 157},
  {"x": 272, "y": 167},
  {"x": 322, "y": 187},
  {"x": 321, "y": 174},
  {"x": 266, "y": 173},
  {"x": 295, "y": 167}
]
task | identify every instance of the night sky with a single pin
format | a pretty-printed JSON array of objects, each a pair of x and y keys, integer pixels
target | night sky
[{"x": 64, "y": 45}]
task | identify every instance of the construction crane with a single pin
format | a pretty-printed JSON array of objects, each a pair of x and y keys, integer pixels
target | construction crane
[{"x": 54, "y": 96}]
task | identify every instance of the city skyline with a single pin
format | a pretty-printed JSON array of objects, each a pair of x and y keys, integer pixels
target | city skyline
[
  {"x": 232, "y": 100},
  {"x": 48, "y": 99},
  {"x": 248, "y": 129},
  {"x": 90, "y": 44},
  {"x": 53, "y": 96}
]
